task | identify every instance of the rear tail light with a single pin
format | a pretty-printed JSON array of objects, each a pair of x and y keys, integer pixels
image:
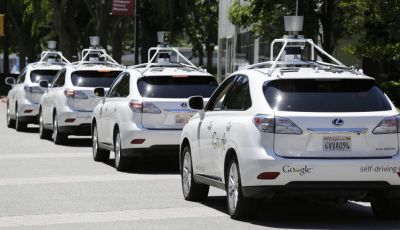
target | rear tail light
[
  {"x": 272, "y": 124},
  {"x": 33, "y": 89},
  {"x": 76, "y": 94},
  {"x": 388, "y": 125},
  {"x": 143, "y": 107}
]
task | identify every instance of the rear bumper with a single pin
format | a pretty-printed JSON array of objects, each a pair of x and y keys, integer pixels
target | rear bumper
[
  {"x": 79, "y": 130},
  {"x": 29, "y": 112},
  {"x": 76, "y": 123},
  {"x": 254, "y": 161},
  {"x": 153, "y": 151}
]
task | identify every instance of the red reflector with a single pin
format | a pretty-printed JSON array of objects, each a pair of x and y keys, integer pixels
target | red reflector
[
  {"x": 28, "y": 111},
  {"x": 137, "y": 141},
  {"x": 268, "y": 175},
  {"x": 69, "y": 120}
]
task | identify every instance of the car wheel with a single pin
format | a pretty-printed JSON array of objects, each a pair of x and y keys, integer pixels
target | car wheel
[
  {"x": 58, "y": 137},
  {"x": 19, "y": 125},
  {"x": 386, "y": 208},
  {"x": 98, "y": 153},
  {"x": 121, "y": 161},
  {"x": 191, "y": 190},
  {"x": 239, "y": 207},
  {"x": 43, "y": 132},
  {"x": 10, "y": 122}
]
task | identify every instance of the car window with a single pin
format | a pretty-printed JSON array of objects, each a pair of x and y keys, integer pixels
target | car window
[
  {"x": 60, "y": 79},
  {"x": 94, "y": 78},
  {"x": 328, "y": 95},
  {"x": 215, "y": 102},
  {"x": 39, "y": 75},
  {"x": 176, "y": 86},
  {"x": 121, "y": 88},
  {"x": 21, "y": 78},
  {"x": 238, "y": 97}
]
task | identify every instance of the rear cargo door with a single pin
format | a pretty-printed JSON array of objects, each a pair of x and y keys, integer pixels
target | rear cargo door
[{"x": 337, "y": 118}]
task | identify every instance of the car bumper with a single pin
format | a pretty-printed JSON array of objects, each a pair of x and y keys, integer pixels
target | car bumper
[
  {"x": 311, "y": 171},
  {"x": 166, "y": 141},
  {"x": 29, "y": 112},
  {"x": 76, "y": 123}
]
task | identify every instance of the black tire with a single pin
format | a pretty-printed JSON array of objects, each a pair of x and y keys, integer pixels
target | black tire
[
  {"x": 121, "y": 161},
  {"x": 43, "y": 132},
  {"x": 239, "y": 207},
  {"x": 99, "y": 154},
  {"x": 10, "y": 121},
  {"x": 191, "y": 190},
  {"x": 386, "y": 208},
  {"x": 19, "y": 125},
  {"x": 58, "y": 138}
]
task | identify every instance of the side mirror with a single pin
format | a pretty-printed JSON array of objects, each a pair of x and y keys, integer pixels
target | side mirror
[
  {"x": 10, "y": 81},
  {"x": 44, "y": 84},
  {"x": 99, "y": 92},
  {"x": 196, "y": 102}
]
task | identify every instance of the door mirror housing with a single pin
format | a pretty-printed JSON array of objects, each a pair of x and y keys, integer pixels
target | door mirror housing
[
  {"x": 196, "y": 102},
  {"x": 10, "y": 81},
  {"x": 99, "y": 92},
  {"x": 44, "y": 84}
]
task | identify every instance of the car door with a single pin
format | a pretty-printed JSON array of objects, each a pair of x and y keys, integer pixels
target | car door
[
  {"x": 228, "y": 124},
  {"x": 49, "y": 98},
  {"x": 208, "y": 139},
  {"x": 116, "y": 96}
]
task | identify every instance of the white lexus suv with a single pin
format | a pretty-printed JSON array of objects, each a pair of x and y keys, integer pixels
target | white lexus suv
[
  {"x": 146, "y": 108},
  {"x": 66, "y": 109},
  {"x": 293, "y": 127},
  {"x": 24, "y": 97}
]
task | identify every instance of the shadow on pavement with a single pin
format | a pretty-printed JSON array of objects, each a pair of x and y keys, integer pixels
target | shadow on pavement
[
  {"x": 31, "y": 130},
  {"x": 157, "y": 165},
  {"x": 303, "y": 214}
]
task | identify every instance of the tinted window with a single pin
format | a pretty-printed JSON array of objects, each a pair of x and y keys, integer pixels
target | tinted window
[
  {"x": 39, "y": 75},
  {"x": 310, "y": 95},
  {"x": 60, "y": 79},
  {"x": 215, "y": 102},
  {"x": 121, "y": 88},
  {"x": 238, "y": 97},
  {"x": 176, "y": 87},
  {"x": 93, "y": 78}
]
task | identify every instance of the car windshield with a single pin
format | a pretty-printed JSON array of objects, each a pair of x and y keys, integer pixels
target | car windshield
[
  {"x": 176, "y": 87},
  {"x": 92, "y": 78},
  {"x": 325, "y": 95},
  {"x": 40, "y": 75}
]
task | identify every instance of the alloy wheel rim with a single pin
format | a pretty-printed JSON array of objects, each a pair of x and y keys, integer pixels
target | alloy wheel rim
[
  {"x": 40, "y": 124},
  {"x": 94, "y": 140},
  {"x": 55, "y": 128},
  {"x": 117, "y": 150},
  {"x": 8, "y": 115},
  {"x": 233, "y": 188},
  {"x": 187, "y": 173}
]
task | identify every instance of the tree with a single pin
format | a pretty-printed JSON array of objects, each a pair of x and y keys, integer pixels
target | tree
[
  {"x": 265, "y": 18},
  {"x": 202, "y": 28}
]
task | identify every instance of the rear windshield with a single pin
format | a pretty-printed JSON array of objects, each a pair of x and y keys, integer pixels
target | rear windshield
[
  {"x": 93, "y": 78},
  {"x": 176, "y": 87},
  {"x": 311, "y": 95},
  {"x": 40, "y": 75}
]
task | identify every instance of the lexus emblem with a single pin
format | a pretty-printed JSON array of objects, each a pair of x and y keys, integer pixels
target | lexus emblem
[
  {"x": 184, "y": 105},
  {"x": 337, "y": 122}
]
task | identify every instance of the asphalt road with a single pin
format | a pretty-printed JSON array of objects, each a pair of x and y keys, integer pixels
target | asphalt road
[{"x": 44, "y": 186}]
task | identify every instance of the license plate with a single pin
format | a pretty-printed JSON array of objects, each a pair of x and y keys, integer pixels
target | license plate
[
  {"x": 337, "y": 143},
  {"x": 182, "y": 118}
]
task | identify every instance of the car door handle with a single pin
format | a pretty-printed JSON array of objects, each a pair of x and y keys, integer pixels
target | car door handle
[
  {"x": 209, "y": 126},
  {"x": 228, "y": 126}
]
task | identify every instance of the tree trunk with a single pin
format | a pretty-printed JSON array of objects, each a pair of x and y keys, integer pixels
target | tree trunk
[
  {"x": 65, "y": 27},
  {"x": 117, "y": 37},
  {"x": 210, "y": 51},
  {"x": 327, "y": 19},
  {"x": 103, "y": 9}
]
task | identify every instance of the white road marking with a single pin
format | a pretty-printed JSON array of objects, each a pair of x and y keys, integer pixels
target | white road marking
[
  {"x": 11, "y": 156},
  {"x": 109, "y": 216},
  {"x": 75, "y": 179}
]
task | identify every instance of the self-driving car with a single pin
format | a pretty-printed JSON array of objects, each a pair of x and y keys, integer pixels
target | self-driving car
[
  {"x": 146, "y": 108},
  {"x": 24, "y": 97},
  {"x": 294, "y": 127},
  {"x": 66, "y": 108}
]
